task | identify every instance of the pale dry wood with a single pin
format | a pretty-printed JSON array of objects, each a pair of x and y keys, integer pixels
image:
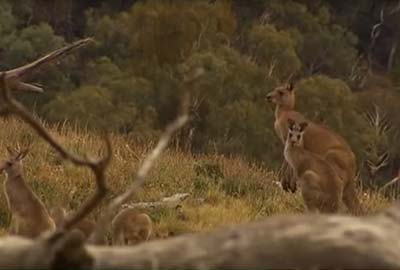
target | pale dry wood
[
  {"x": 14, "y": 76},
  {"x": 391, "y": 182},
  {"x": 50, "y": 251},
  {"x": 147, "y": 164},
  {"x": 98, "y": 167},
  {"x": 167, "y": 202},
  {"x": 281, "y": 242},
  {"x": 190, "y": 78}
]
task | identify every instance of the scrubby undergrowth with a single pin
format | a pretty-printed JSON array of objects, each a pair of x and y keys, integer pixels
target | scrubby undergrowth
[{"x": 223, "y": 190}]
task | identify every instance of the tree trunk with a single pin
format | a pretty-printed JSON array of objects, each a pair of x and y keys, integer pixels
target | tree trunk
[{"x": 285, "y": 242}]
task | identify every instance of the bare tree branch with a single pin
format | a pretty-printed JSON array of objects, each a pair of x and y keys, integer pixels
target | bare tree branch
[
  {"x": 395, "y": 9},
  {"x": 14, "y": 76},
  {"x": 391, "y": 182},
  {"x": 375, "y": 33},
  {"x": 98, "y": 235},
  {"x": 97, "y": 166},
  {"x": 280, "y": 242}
]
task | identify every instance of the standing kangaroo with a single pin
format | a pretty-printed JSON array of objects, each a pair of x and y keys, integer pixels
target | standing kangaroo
[
  {"x": 320, "y": 140},
  {"x": 29, "y": 216},
  {"x": 319, "y": 183},
  {"x": 130, "y": 227}
]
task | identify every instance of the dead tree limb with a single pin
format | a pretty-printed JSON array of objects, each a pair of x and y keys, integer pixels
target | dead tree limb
[
  {"x": 189, "y": 79},
  {"x": 281, "y": 242},
  {"x": 14, "y": 76},
  {"x": 167, "y": 202},
  {"x": 98, "y": 167},
  {"x": 98, "y": 235},
  {"x": 391, "y": 182},
  {"x": 58, "y": 250},
  {"x": 375, "y": 33},
  {"x": 300, "y": 242}
]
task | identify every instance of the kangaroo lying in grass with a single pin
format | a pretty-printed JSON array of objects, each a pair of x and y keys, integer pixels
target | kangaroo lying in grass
[
  {"x": 321, "y": 187},
  {"x": 86, "y": 226},
  {"x": 29, "y": 216},
  {"x": 320, "y": 140},
  {"x": 130, "y": 227}
]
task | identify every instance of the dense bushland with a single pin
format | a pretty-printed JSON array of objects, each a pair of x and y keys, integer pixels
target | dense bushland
[
  {"x": 129, "y": 81},
  {"x": 223, "y": 191}
]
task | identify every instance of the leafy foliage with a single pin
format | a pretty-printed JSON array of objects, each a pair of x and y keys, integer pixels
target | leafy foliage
[
  {"x": 130, "y": 81},
  {"x": 275, "y": 49},
  {"x": 326, "y": 95},
  {"x": 323, "y": 45}
]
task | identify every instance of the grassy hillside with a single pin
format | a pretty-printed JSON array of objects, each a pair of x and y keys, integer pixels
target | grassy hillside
[{"x": 223, "y": 190}]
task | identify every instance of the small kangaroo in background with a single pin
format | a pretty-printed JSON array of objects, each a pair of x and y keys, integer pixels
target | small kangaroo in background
[
  {"x": 130, "y": 227},
  {"x": 29, "y": 216},
  {"x": 86, "y": 226},
  {"x": 320, "y": 185}
]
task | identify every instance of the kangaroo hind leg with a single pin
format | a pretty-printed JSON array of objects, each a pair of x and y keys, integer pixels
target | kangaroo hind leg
[
  {"x": 330, "y": 204},
  {"x": 351, "y": 199},
  {"x": 309, "y": 183}
]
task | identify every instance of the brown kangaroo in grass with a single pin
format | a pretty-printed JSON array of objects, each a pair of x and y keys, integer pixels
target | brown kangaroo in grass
[
  {"x": 320, "y": 140},
  {"x": 130, "y": 227},
  {"x": 29, "y": 216},
  {"x": 319, "y": 183}
]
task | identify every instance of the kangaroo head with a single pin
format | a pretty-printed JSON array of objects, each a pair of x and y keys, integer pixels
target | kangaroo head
[
  {"x": 135, "y": 237},
  {"x": 296, "y": 132},
  {"x": 13, "y": 164},
  {"x": 282, "y": 96}
]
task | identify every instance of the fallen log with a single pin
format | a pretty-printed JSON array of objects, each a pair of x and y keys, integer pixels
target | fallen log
[
  {"x": 284, "y": 242},
  {"x": 168, "y": 202}
]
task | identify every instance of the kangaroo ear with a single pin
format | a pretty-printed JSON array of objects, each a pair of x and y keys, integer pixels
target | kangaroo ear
[
  {"x": 291, "y": 123},
  {"x": 289, "y": 87},
  {"x": 303, "y": 126}
]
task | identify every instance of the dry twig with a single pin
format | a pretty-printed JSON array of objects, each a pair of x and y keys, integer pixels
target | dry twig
[
  {"x": 14, "y": 76},
  {"x": 97, "y": 166},
  {"x": 178, "y": 123},
  {"x": 97, "y": 236},
  {"x": 391, "y": 182},
  {"x": 279, "y": 242}
]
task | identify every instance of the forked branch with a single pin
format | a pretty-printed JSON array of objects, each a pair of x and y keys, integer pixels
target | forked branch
[
  {"x": 279, "y": 242},
  {"x": 14, "y": 76},
  {"x": 98, "y": 167},
  {"x": 97, "y": 236},
  {"x": 178, "y": 123}
]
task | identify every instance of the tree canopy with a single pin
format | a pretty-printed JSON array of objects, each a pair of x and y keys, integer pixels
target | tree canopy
[{"x": 131, "y": 79}]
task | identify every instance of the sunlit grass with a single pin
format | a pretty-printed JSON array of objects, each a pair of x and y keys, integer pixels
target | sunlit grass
[{"x": 223, "y": 191}]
